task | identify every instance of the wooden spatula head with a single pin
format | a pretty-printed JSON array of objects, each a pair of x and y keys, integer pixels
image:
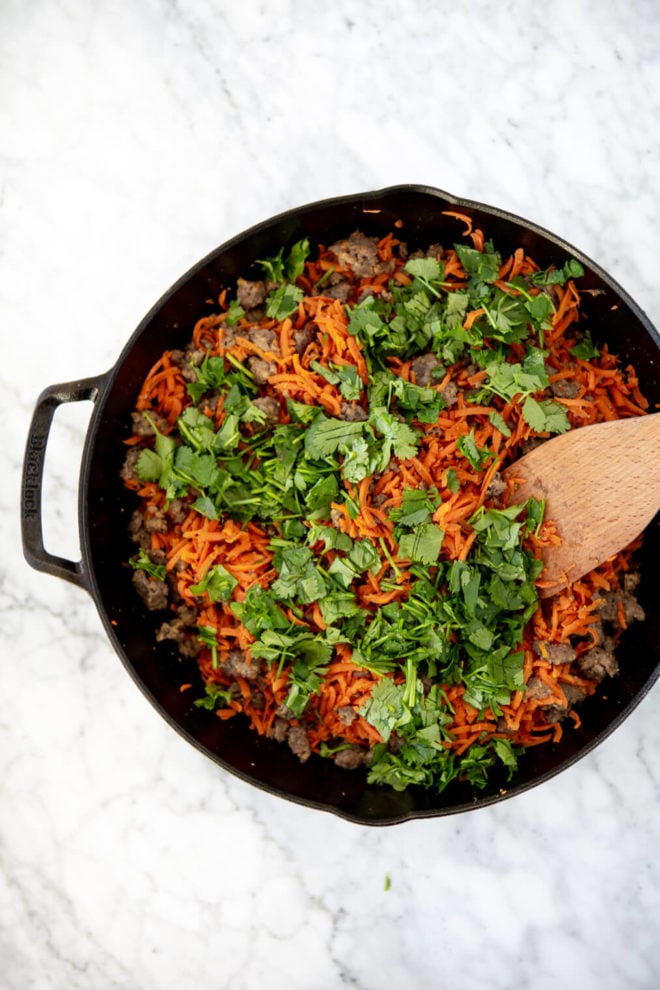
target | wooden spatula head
[{"x": 601, "y": 486}]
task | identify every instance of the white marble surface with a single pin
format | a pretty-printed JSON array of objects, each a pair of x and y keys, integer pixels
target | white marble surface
[{"x": 134, "y": 137}]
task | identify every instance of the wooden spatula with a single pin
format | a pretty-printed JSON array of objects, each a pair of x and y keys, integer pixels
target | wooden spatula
[{"x": 601, "y": 486}]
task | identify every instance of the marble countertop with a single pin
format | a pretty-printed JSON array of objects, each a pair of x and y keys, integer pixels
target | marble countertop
[{"x": 134, "y": 138}]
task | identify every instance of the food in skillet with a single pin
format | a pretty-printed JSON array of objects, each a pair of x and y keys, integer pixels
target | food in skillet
[{"x": 323, "y": 521}]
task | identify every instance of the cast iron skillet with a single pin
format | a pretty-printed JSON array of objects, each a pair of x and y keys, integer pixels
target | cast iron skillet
[{"x": 105, "y": 506}]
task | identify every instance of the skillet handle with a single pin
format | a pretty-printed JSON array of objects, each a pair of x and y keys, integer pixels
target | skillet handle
[{"x": 33, "y": 470}]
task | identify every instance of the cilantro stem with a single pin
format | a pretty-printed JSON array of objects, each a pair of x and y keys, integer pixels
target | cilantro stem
[
  {"x": 324, "y": 276},
  {"x": 488, "y": 315},
  {"x": 528, "y": 297},
  {"x": 239, "y": 367},
  {"x": 519, "y": 288},
  {"x": 427, "y": 285},
  {"x": 410, "y": 695},
  {"x": 388, "y": 555}
]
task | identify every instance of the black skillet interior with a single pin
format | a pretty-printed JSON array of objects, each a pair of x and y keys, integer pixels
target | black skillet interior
[{"x": 106, "y": 507}]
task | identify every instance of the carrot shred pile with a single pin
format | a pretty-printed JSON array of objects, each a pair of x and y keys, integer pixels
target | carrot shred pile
[{"x": 589, "y": 390}]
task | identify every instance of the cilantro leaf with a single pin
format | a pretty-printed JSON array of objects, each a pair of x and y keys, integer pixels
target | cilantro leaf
[
  {"x": 366, "y": 321},
  {"x": 585, "y": 350},
  {"x": 499, "y": 423},
  {"x": 350, "y": 383},
  {"x": 149, "y": 465},
  {"x": 143, "y": 562},
  {"x": 416, "y": 506},
  {"x": 341, "y": 571},
  {"x": 322, "y": 494},
  {"x": 156, "y": 465},
  {"x": 391, "y": 769},
  {"x": 453, "y": 484},
  {"x": 294, "y": 266},
  {"x": 422, "y": 402},
  {"x": 333, "y": 539},
  {"x": 506, "y": 753},
  {"x": 211, "y": 375},
  {"x": 325, "y": 435},
  {"x": 279, "y": 268},
  {"x": 540, "y": 309},
  {"x": 283, "y": 301},
  {"x": 510, "y": 379},
  {"x": 197, "y": 429},
  {"x": 217, "y": 582},
  {"x": 305, "y": 678},
  {"x": 215, "y": 694},
  {"x": 426, "y": 268},
  {"x": 545, "y": 415},
  {"x": 206, "y": 507},
  {"x": 507, "y": 315},
  {"x": 398, "y": 438},
  {"x": 235, "y": 313},
  {"x": 307, "y": 655},
  {"x": 258, "y": 611},
  {"x": 299, "y": 577},
  {"x": 553, "y": 276},
  {"x": 456, "y": 309},
  {"x": 196, "y": 468},
  {"x": 423, "y": 544},
  {"x": 385, "y": 708},
  {"x": 467, "y": 446},
  {"x": 364, "y": 556},
  {"x": 483, "y": 266},
  {"x": 357, "y": 460},
  {"x": 273, "y": 267},
  {"x": 338, "y": 605}
]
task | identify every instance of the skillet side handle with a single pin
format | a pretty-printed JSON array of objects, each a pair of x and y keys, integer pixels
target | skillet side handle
[{"x": 33, "y": 470}]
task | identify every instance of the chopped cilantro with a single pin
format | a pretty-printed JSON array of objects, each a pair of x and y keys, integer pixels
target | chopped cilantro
[
  {"x": 324, "y": 437},
  {"x": 346, "y": 376},
  {"x": 499, "y": 423},
  {"x": 428, "y": 269},
  {"x": 234, "y": 313},
  {"x": 398, "y": 438},
  {"x": 338, "y": 605},
  {"x": 416, "y": 506},
  {"x": 545, "y": 415},
  {"x": 558, "y": 276},
  {"x": 385, "y": 709},
  {"x": 143, "y": 562},
  {"x": 368, "y": 321},
  {"x": 214, "y": 695},
  {"x": 283, "y": 301},
  {"x": 208, "y": 636},
  {"x": 423, "y": 544},
  {"x": 452, "y": 482},
  {"x": 477, "y": 456},
  {"x": 585, "y": 350},
  {"x": 218, "y": 583},
  {"x": 482, "y": 266},
  {"x": 259, "y": 610},
  {"x": 281, "y": 268},
  {"x": 299, "y": 577}
]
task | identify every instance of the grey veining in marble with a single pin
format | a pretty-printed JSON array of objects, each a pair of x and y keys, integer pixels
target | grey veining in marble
[{"x": 134, "y": 138}]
